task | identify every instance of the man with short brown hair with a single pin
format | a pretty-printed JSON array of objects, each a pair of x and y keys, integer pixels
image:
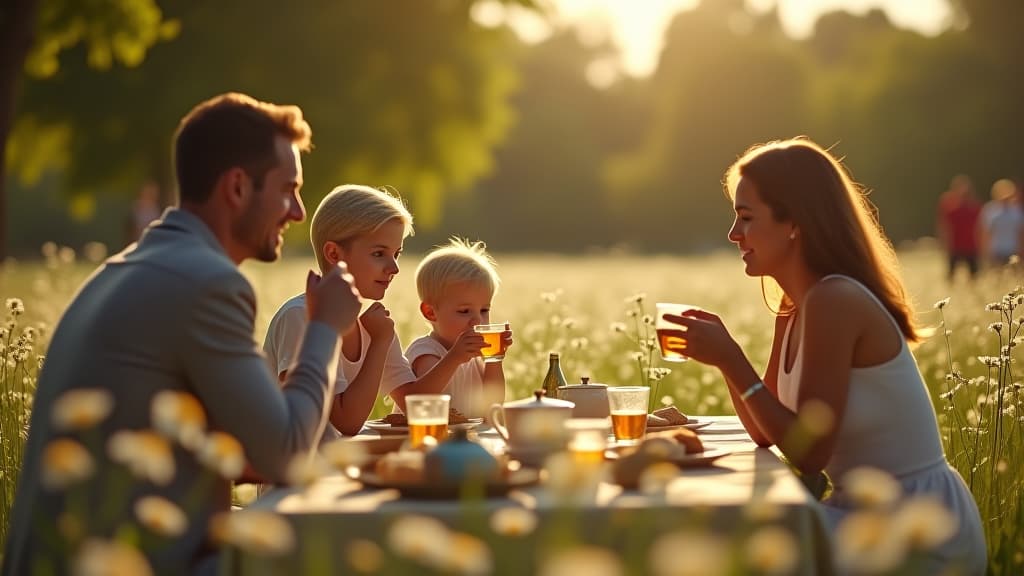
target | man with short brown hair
[{"x": 174, "y": 314}]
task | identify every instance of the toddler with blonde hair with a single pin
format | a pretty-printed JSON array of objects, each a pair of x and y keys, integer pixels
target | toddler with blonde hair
[{"x": 456, "y": 283}]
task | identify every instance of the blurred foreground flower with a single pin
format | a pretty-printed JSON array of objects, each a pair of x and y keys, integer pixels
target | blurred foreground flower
[
  {"x": 654, "y": 480},
  {"x": 762, "y": 510},
  {"x": 103, "y": 558},
  {"x": 468, "y": 555},
  {"x": 420, "y": 538},
  {"x": 816, "y": 418},
  {"x": 569, "y": 479},
  {"x": 257, "y": 531},
  {"x": 772, "y": 550},
  {"x": 180, "y": 417},
  {"x": 542, "y": 427},
  {"x": 65, "y": 462},
  {"x": 513, "y": 521},
  {"x": 924, "y": 523},
  {"x": 161, "y": 516},
  {"x": 222, "y": 453},
  {"x": 871, "y": 487},
  {"x": 689, "y": 553},
  {"x": 344, "y": 453},
  {"x": 306, "y": 468},
  {"x": 81, "y": 409},
  {"x": 145, "y": 453},
  {"x": 865, "y": 544},
  {"x": 588, "y": 560},
  {"x": 365, "y": 556}
]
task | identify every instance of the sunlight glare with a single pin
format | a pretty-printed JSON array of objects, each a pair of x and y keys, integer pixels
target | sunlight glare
[{"x": 638, "y": 28}]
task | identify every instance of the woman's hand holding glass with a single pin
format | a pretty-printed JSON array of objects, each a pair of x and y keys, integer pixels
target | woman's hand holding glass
[{"x": 705, "y": 338}]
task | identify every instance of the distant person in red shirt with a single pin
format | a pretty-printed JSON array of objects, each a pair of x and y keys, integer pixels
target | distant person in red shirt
[{"x": 957, "y": 225}]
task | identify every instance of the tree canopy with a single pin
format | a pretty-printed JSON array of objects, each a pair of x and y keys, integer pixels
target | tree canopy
[{"x": 512, "y": 143}]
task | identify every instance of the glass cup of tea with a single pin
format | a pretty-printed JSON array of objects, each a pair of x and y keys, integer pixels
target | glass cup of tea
[
  {"x": 588, "y": 438},
  {"x": 495, "y": 350},
  {"x": 428, "y": 416},
  {"x": 671, "y": 337},
  {"x": 628, "y": 406}
]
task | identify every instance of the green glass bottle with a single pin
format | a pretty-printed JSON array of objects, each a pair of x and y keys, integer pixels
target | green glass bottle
[{"x": 554, "y": 377}]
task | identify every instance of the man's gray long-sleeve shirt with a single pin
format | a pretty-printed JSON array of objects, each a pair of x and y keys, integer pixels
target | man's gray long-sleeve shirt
[{"x": 172, "y": 313}]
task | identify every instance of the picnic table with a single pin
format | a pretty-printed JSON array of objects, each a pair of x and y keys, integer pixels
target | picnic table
[{"x": 747, "y": 489}]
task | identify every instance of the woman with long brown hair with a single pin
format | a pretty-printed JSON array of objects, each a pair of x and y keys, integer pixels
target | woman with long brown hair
[{"x": 842, "y": 391}]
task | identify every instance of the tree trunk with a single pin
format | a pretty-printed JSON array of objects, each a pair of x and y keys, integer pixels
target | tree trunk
[{"x": 17, "y": 30}]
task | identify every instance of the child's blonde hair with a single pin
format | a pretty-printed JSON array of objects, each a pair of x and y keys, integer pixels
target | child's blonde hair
[
  {"x": 458, "y": 261},
  {"x": 352, "y": 210}
]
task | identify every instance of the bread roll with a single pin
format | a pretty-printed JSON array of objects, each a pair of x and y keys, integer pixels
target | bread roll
[{"x": 404, "y": 467}]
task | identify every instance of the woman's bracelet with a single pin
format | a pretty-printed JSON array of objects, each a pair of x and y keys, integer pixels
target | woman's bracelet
[{"x": 752, "y": 390}]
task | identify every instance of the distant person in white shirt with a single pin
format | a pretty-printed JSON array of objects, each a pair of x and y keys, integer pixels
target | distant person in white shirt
[
  {"x": 1001, "y": 224},
  {"x": 456, "y": 284}
]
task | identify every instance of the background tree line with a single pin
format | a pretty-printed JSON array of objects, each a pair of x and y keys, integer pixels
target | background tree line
[{"x": 508, "y": 142}]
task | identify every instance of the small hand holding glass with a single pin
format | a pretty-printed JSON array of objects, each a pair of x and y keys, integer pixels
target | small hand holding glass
[{"x": 467, "y": 346}]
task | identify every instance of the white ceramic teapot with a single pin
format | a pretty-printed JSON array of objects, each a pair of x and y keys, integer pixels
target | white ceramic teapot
[
  {"x": 532, "y": 426},
  {"x": 591, "y": 400}
]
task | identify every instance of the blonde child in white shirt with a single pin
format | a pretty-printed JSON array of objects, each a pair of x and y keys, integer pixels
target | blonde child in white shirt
[
  {"x": 456, "y": 283},
  {"x": 366, "y": 228}
]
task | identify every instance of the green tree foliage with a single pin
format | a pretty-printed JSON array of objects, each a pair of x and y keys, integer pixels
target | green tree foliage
[
  {"x": 547, "y": 193},
  {"x": 403, "y": 93},
  {"x": 908, "y": 111},
  {"x": 415, "y": 95},
  {"x": 725, "y": 81},
  {"x": 33, "y": 34}
]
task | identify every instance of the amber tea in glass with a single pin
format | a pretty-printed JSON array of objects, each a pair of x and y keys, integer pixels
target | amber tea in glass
[
  {"x": 628, "y": 407},
  {"x": 494, "y": 351},
  {"x": 428, "y": 416},
  {"x": 671, "y": 337}
]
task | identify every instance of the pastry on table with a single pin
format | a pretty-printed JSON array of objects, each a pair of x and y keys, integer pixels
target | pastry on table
[
  {"x": 399, "y": 419},
  {"x": 404, "y": 466},
  {"x": 657, "y": 447},
  {"x": 683, "y": 437},
  {"x": 395, "y": 419},
  {"x": 670, "y": 414}
]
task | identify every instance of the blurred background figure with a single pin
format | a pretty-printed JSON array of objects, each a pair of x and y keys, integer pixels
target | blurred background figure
[
  {"x": 957, "y": 224},
  {"x": 1001, "y": 225},
  {"x": 144, "y": 210}
]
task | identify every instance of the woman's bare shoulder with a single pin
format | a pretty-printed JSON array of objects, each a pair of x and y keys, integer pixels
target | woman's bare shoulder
[{"x": 836, "y": 293}]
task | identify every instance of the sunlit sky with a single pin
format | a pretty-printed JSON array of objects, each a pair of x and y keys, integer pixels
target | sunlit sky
[{"x": 637, "y": 26}]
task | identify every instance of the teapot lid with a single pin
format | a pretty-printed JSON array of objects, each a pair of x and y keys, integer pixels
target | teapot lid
[
  {"x": 539, "y": 400},
  {"x": 583, "y": 385}
]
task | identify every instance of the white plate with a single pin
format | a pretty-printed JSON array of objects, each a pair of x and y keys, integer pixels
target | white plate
[
  {"x": 688, "y": 460},
  {"x": 693, "y": 424},
  {"x": 385, "y": 429}
]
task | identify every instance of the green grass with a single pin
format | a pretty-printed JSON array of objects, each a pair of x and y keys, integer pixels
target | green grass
[{"x": 569, "y": 305}]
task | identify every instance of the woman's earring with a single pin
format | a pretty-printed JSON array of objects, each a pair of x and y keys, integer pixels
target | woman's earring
[{"x": 792, "y": 235}]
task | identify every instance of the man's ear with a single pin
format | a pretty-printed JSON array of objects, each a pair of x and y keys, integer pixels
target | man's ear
[
  {"x": 236, "y": 187},
  {"x": 428, "y": 312}
]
